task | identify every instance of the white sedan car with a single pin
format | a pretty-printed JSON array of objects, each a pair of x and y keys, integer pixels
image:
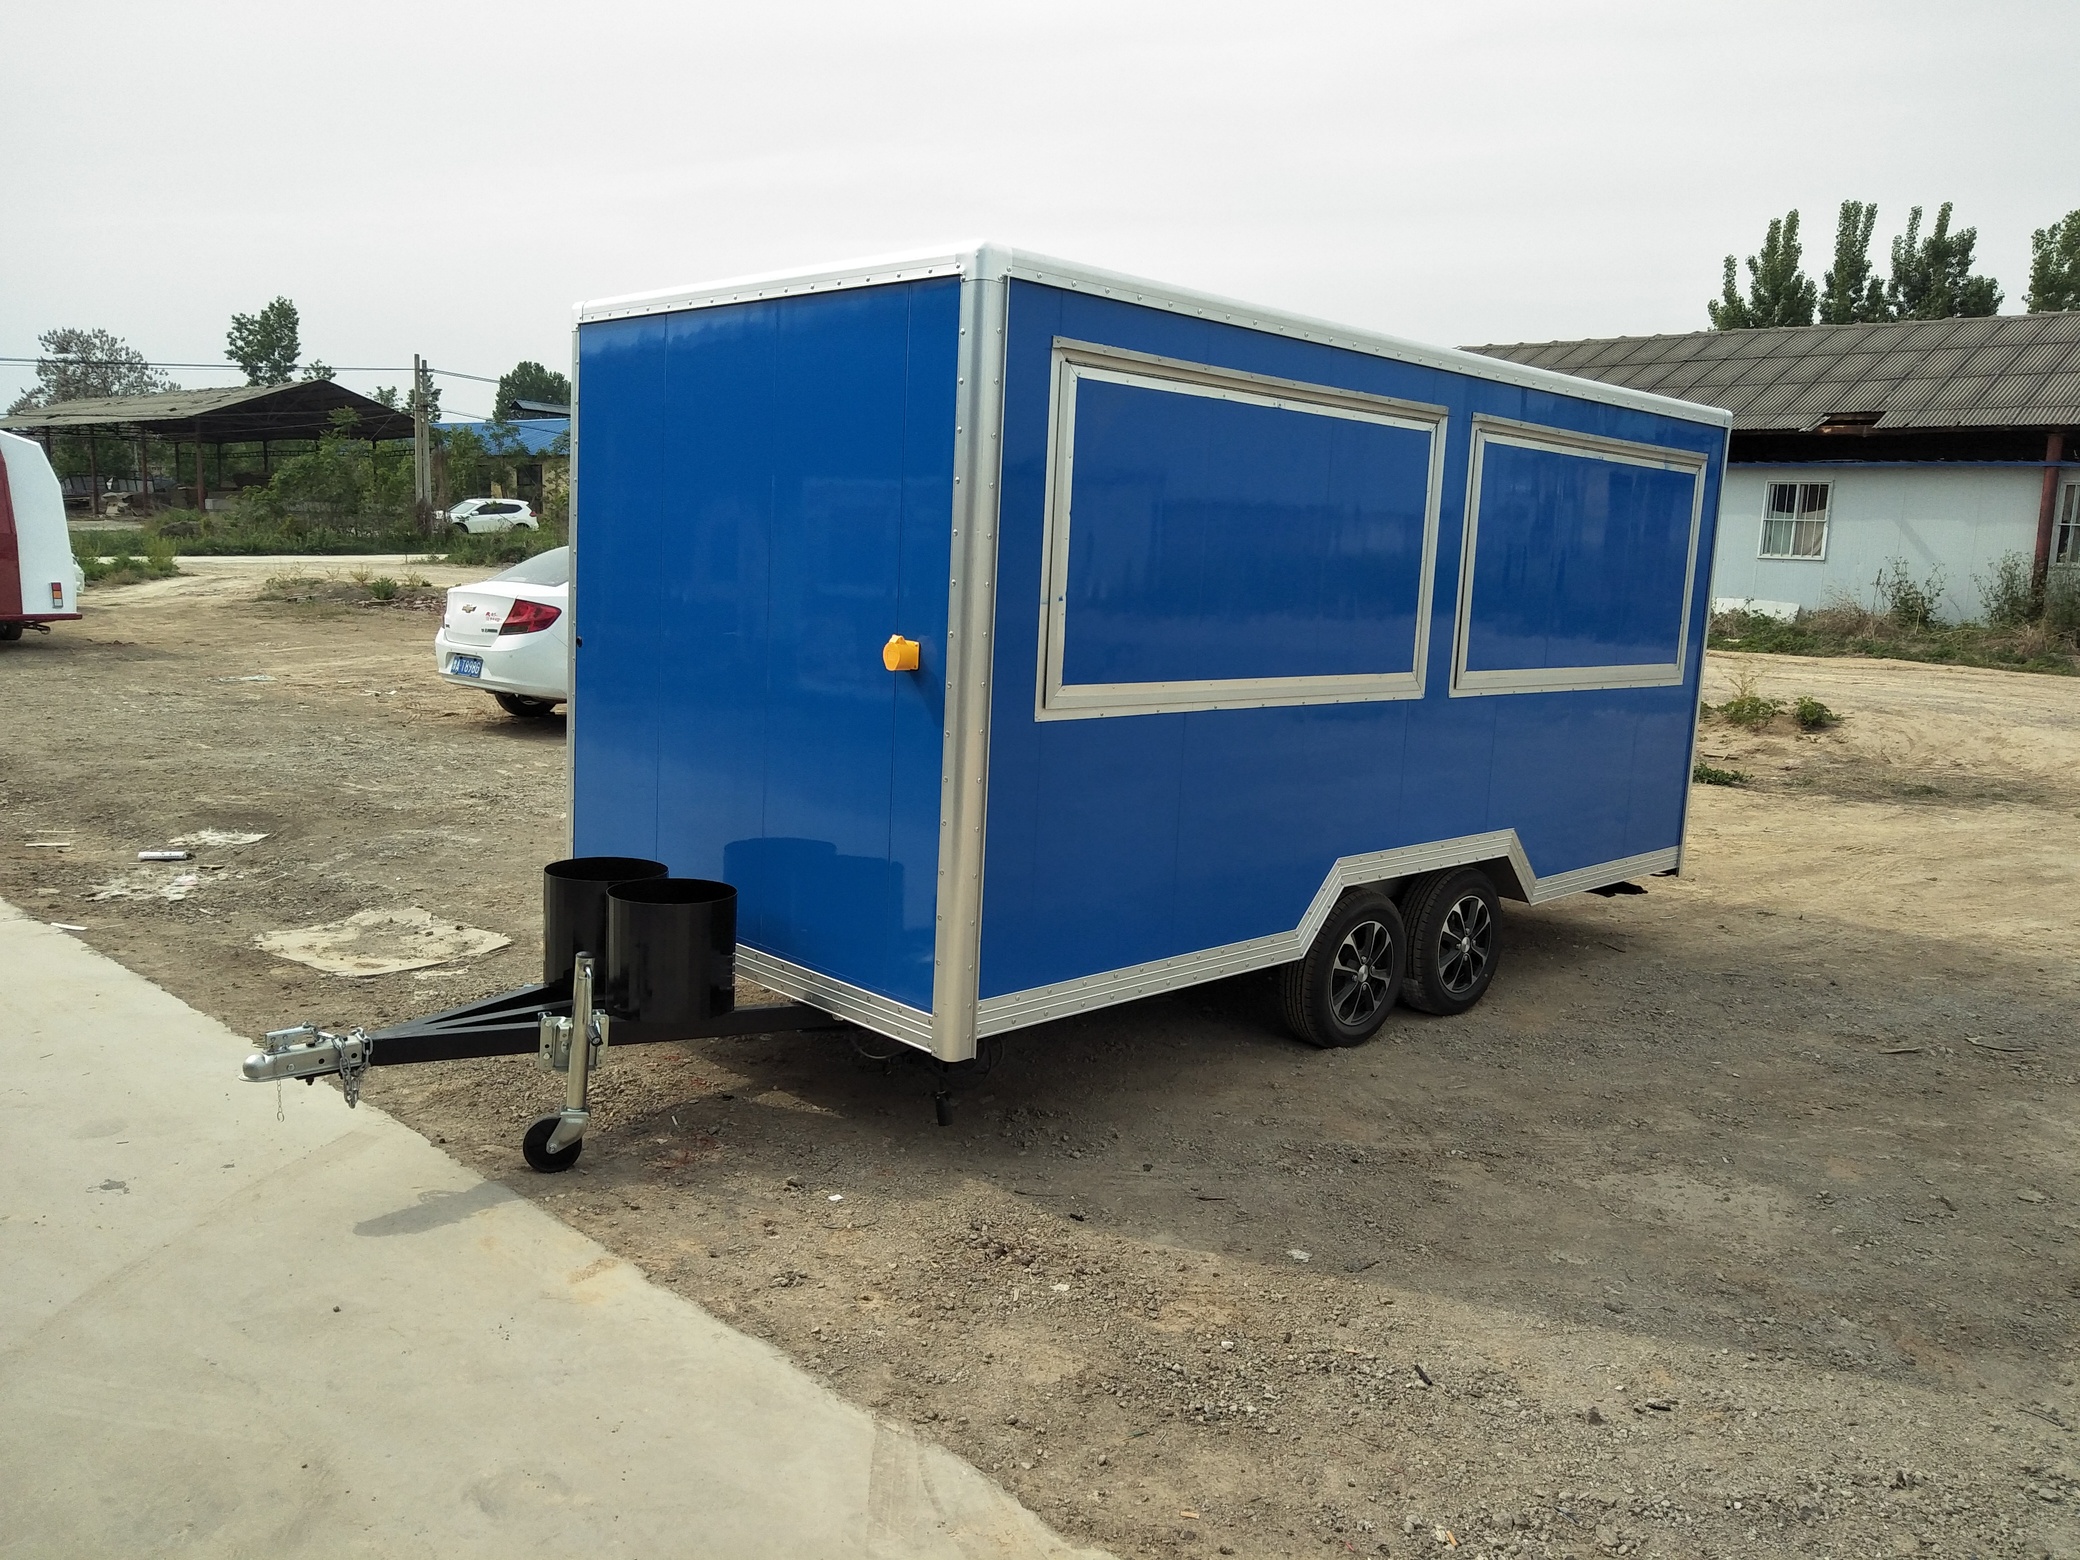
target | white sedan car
[
  {"x": 510, "y": 635},
  {"x": 485, "y": 516}
]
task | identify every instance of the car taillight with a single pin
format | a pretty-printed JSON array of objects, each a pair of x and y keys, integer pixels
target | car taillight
[{"x": 529, "y": 617}]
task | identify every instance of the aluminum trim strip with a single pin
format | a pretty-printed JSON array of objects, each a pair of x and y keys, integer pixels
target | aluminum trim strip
[
  {"x": 970, "y": 650},
  {"x": 1075, "y": 361},
  {"x": 570, "y": 648},
  {"x": 991, "y": 262},
  {"x": 1646, "y": 864},
  {"x": 1569, "y": 679},
  {"x": 866, "y": 1008},
  {"x": 1227, "y": 311},
  {"x": 1037, "y": 1004},
  {"x": 879, "y": 271}
]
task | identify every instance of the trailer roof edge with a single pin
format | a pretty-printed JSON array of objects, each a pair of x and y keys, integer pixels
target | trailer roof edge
[{"x": 990, "y": 262}]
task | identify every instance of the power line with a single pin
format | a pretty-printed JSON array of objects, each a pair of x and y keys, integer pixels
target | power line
[{"x": 233, "y": 368}]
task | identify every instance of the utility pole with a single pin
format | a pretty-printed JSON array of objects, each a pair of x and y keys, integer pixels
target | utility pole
[{"x": 422, "y": 446}]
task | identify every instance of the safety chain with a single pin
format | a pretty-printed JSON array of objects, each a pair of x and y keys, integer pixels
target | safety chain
[{"x": 351, "y": 1073}]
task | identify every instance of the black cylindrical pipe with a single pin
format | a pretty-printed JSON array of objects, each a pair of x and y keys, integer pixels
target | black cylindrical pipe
[
  {"x": 574, "y": 907},
  {"x": 671, "y": 951}
]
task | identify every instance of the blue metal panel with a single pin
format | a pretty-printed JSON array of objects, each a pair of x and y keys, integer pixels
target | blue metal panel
[
  {"x": 1313, "y": 774},
  {"x": 1218, "y": 539},
  {"x": 622, "y": 481},
  {"x": 1578, "y": 561},
  {"x": 1131, "y": 838},
  {"x": 788, "y": 511}
]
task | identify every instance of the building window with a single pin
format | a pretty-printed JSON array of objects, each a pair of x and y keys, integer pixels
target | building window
[
  {"x": 2065, "y": 545},
  {"x": 1795, "y": 523}
]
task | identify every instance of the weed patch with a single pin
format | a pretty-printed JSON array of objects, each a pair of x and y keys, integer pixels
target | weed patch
[
  {"x": 121, "y": 566},
  {"x": 1707, "y": 774},
  {"x": 1843, "y": 627},
  {"x": 358, "y": 588},
  {"x": 1812, "y": 715}
]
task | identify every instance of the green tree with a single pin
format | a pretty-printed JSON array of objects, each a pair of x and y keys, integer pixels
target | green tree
[
  {"x": 1779, "y": 293},
  {"x": 80, "y": 365},
  {"x": 2054, "y": 266},
  {"x": 529, "y": 382},
  {"x": 266, "y": 345},
  {"x": 1854, "y": 295},
  {"x": 342, "y": 486},
  {"x": 1932, "y": 277}
]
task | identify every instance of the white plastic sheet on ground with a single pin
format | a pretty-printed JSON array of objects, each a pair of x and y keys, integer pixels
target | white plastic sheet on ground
[{"x": 381, "y": 942}]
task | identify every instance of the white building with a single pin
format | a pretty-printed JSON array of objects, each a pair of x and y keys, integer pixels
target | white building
[{"x": 1939, "y": 445}]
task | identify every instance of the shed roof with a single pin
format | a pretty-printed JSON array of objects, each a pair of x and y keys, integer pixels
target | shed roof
[
  {"x": 524, "y": 435},
  {"x": 302, "y": 410},
  {"x": 1993, "y": 371}
]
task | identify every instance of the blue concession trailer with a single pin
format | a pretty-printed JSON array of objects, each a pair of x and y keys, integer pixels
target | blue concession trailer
[{"x": 1019, "y": 638}]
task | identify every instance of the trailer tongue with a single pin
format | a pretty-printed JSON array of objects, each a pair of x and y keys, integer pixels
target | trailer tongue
[{"x": 670, "y": 946}]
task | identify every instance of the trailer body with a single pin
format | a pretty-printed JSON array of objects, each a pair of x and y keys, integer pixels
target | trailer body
[
  {"x": 1218, "y": 613},
  {"x": 39, "y": 578}
]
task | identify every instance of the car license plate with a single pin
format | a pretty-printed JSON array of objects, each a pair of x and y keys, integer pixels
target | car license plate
[{"x": 467, "y": 665}]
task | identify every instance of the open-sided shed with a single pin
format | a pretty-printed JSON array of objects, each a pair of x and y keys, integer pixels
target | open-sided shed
[{"x": 210, "y": 419}]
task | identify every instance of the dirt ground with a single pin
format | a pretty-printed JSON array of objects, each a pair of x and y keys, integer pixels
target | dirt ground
[{"x": 1736, "y": 1221}]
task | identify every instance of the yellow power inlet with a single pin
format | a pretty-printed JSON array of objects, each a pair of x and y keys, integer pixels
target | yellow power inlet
[{"x": 899, "y": 654}]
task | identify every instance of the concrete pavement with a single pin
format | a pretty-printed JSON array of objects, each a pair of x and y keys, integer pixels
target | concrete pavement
[{"x": 227, "y": 1334}]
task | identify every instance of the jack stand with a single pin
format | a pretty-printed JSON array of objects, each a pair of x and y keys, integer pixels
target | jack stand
[{"x": 554, "y": 1142}]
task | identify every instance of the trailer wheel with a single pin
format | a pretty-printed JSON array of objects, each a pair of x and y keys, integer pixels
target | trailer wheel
[
  {"x": 1340, "y": 993},
  {"x": 1454, "y": 922},
  {"x": 535, "y": 1146},
  {"x": 9, "y": 632}
]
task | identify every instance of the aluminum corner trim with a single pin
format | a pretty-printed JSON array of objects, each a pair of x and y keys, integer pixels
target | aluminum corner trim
[
  {"x": 970, "y": 652},
  {"x": 866, "y": 1008}
]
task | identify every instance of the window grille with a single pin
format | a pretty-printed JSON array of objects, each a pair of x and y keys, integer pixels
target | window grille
[
  {"x": 1795, "y": 523},
  {"x": 2066, "y": 540}
]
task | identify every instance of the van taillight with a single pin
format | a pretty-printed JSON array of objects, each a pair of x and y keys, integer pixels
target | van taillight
[{"x": 529, "y": 617}]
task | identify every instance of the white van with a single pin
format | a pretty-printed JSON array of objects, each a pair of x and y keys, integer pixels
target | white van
[{"x": 39, "y": 579}]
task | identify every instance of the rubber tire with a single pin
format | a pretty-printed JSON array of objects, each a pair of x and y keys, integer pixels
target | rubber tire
[
  {"x": 10, "y": 632},
  {"x": 1428, "y": 907},
  {"x": 535, "y": 1148},
  {"x": 526, "y": 707},
  {"x": 1305, "y": 986}
]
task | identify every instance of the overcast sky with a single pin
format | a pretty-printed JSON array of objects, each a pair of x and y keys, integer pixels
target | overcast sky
[{"x": 448, "y": 178}]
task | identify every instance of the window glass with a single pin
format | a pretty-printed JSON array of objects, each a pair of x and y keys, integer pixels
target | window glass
[
  {"x": 2067, "y": 548},
  {"x": 548, "y": 568}
]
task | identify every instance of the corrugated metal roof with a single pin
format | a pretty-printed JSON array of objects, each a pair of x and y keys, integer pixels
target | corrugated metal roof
[
  {"x": 2014, "y": 370},
  {"x": 241, "y": 413}
]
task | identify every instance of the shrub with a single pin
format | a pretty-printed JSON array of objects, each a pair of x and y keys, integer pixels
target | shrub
[
  {"x": 343, "y": 487},
  {"x": 1909, "y": 602},
  {"x": 381, "y": 588},
  {"x": 1704, "y": 774},
  {"x": 1748, "y": 708},
  {"x": 501, "y": 549},
  {"x": 2061, "y": 609},
  {"x": 1759, "y": 631},
  {"x": 2011, "y": 599},
  {"x": 1812, "y": 715}
]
